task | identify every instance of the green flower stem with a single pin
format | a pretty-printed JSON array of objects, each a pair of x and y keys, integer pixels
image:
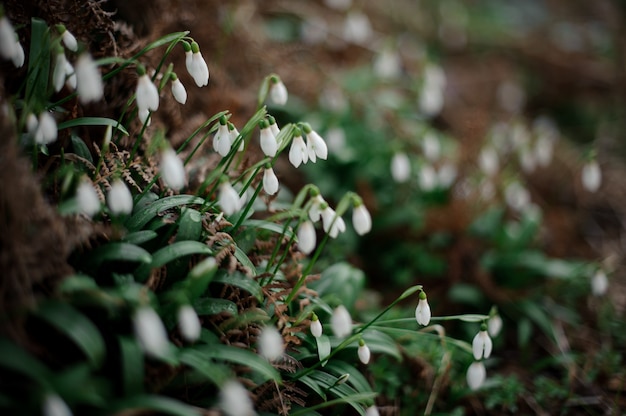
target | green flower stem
[
  {"x": 307, "y": 270},
  {"x": 251, "y": 202},
  {"x": 397, "y": 332}
]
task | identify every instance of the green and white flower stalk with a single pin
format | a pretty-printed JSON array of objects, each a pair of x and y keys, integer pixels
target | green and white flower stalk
[
  {"x": 189, "y": 323},
  {"x": 271, "y": 344},
  {"x": 482, "y": 344},
  {"x": 363, "y": 352},
  {"x": 87, "y": 198},
  {"x": 150, "y": 332},
  {"x": 278, "y": 92},
  {"x": 178, "y": 89},
  {"x": 341, "y": 322},
  {"x": 316, "y": 326},
  {"x": 476, "y": 375},
  {"x": 88, "y": 79},
  {"x": 119, "y": 198},
  {"x": 422, "y": 311},
  {"x": 172, "y": 169}
]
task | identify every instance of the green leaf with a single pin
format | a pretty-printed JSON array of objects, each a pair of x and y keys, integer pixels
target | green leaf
[
  {"x": 244, "y": 319},
  {"x": 142, "y": 216},
  {"x": 77, "y": 283},
  {"x": 313, "y": 385},
  {"x": 139, "y": 237},
  {"x": 245, "y": 261},
  {"x": 80, "y": 148},
  {"x": 190, "y": 225},
  {"x": 75, "y": 326},
  {"x": 132, "y": 365},
  {"x": 323, "y": 348},
  {"x": 344, "y": 392},
  {"x": 382, "y": 343},
  {"x": 38, "y": 62},
  {"x": 239, "y": 356},
  {"x": 218, "y": 374},
  {"x": 159, "y": 404},
  {"x": 118, "y": 252},
  {"x": 16, "y": 358},
  {"x": 92, "y": 121},
  {"x": 213, "y": 306},
  {"x": 241, "y": 281},
  {"x": 269, "y": 226},
  {"x": 168, "y": 253},
  {"x": 356, "y": 380},
  {"x": 341, "y": 283}
]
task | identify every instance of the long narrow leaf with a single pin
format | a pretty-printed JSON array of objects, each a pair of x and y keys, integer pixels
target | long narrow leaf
[
  {"x": 240, "y": 356},
  {"x": 148, "y": 212},
  {"x": 159, "y": 404},
  {"x": 92, "y": 121},
  {"x": 118, "y": 252},
  {"x": 213, "y": 306},
  {"x": 216, "y": 373},
  {"x": 168, "y": 253},
  {"x": 241, "y": 281},
  {"x": 17, "y": 359},
  {"x": 132, "y": 366}
]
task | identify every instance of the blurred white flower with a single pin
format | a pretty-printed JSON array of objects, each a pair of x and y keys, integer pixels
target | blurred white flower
[
  {"x": 88, "y": 79},
  {"x": 591, "y": 176},
  {"x": 189, "y": 323},
  {"x": 278, "y": 92},
  {"x": 476, "y": 375},
  {"x": 544, "y": 149},
  {"x": 298, "y": 153},
  {"x": 446, "y": 175},
  {"x": 482, "y": 344},
  {"x": 599, "y": 283},
  {"x": 431, "y": 99},
  {"x": 306, "y": 237},
  {"x": 63, "y": 71},
  {"x": 431, "y": 147},
  {"x": 511, "y": 97},
  {"x": 54, "y": 405},
  {"x": 488, "y": 161},
  {"x": 8, "y": 39},
  {"x": 46, "y": 131},
  {"x": 144, "y": 116},
  {"x": 235, "y": 400},
  {"x": 494, "y": 325},
  {"x": 341, "y": 322},
  {"x": 388, "y": 64},
  {"x": 229, "y": 200},
  {"x": 271, "y": 344},
  {"x": 172, "y": 169},
  {"x": 150, "y": 332},
  {"x": 119, "y": 198},
  {"x": 68, "y": 38},
  {"x": 338, "y": 4},
  {"x": 422, "y": 311},
  {"x": 331, "y": 222},
  {"x": 146, "y": 93},
  {"x": 270, "y": 181},
  {"x": 363, "y": 352},
  {"x": 178, "y": 90},
  {"x": 361, "y": 219},
  {"x": 87, "y": 198},
  {"x": 400, "y": 167},
  {"x": 221, "y": 140},
  {"x": 427, "y": 178},
  {"x": 372, "y": 411},
  {"x": 316, "y": 326},
  {"x": 19, "y": 57},
  {"x": 357, "y": 28},
  {"x": 516, "y": 196}
]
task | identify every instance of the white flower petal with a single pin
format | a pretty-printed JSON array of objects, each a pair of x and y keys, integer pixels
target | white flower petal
[
  {"x": 87, "y": 197},
  {"x": 119, "y": 198},
  {"x": 271, "y": 344},
  {"x": 270, "y": 181},
  {"x": 150, "y": 332},
  {"x": 341, "y": 322},
  {"x": 476, "y": 375},
  {"x": 307, "y": 237},
  {"x": 88, "y": 79},
  {"x": 172, "y": 170},
  {"x": 361, "y": 220},
  {"x": 189, "y": 323}
]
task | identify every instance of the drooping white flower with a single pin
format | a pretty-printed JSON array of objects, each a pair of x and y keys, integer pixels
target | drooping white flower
[
  {"x": 172, "y": 170},
  {"x": 119, "y": 198},
  {"x": 189, "y": 323},
  {"x": 315, "y": 210},
  {"x": 87, "y": 198},
  {"x": 431, "y": 147},
  {"x": 234, "y": 400},
  {"x": 446, "y": 174},
  {"x": 476, "y": 375},
  {"x": 361, "y": 219},
  {"x": 516, "y": 196},
  {"x": 482, "y": 344},
  {"x": 388, "y": 64},
  {"x": 427, "y": 177},
  {"x": 341, "y": 322},
  {"x": 269, "y": 145},
  {"x": 150, "y": 332},
  {"x": 316, "y": 326},
  {"x": 68, "y": 38},
  {"x": 331, "y": 222},
  {"x": 233, "y": 133},
  {"x": 357, "y": 28},
  {"x": 431, "y": 98},
  {"x": 278, "y": 92},
  {"x": 31, "y": 124},
  {"x": 62, "y": 70},
  {"x": 270, "y": 181},
  {"x": 88, "y": 79},
  {"x": 372, "y": 411},
  {"x": 195, "y": 63},
  {"x": 229, "y": 200},
  {"x": 422, "y": 311},
  {"x": 591, "y": 176},
  {"x": 19, "y": 57},
  {"x": 494, "y": 325},
  {"x": 527, "y": 159},
  {"x": 306, "y": 237},
  {"x": 400, "y": 167},
  {"x": 54, "y": 405},
  {"x": 146, "y": 93},
  {"x": 221, "y": 140},
  {"x": 178, "y": 89},
  {"x": 316, "y": 146},
  {"x": 46, "y": 131},
  {"x": 274, "y": 127},
  {"x": 488, "y": 161},
  {"x": 144, "y": 116},
  {"x": 298, "y": 152},
  {"x": 271, "y": 343},
  {"x": 364, "y": 352},
  {"x": 599, "y": 283},
  {"x": 8, "y": 44}
]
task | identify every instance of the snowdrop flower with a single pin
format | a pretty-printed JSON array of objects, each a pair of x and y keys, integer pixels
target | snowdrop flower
[
  {"x": 481, "y": 344},
  {"x": 147, "y": 94},
  {"x": 431, "y": 97},
  {"x": 235, "y": 400},
  {"x": 278, "y": 91},
  {"x": 270, "y": 181},
  {"x": 516, "y": 196},
  {"x": 316, "y": 146},
  {"x": 361, "y": 219},
  {"x": 54, "y": 405},
  {"x": 67, "y": 37},
  {"x": 494, "y": 325},
  {"x": 46, "y": 131},
  {"x": 544, "y": 149},
  {"x": 19, "y": 57},
  {"x": 599, "y": 283},
  {"x": 271, "y": 344},
  {"x": 315, "y": 210},
  {"x": 298, "y": 152},
  {"x": 31, "y": 124},
  {"x": 476, "y": 375},
  {"x": 306, "y": 237},
  {"x": 233, "y": 134},
  {"x": 488, "y": 161},
  {"x": 427, "y": 178},
  {"x": 62, "y": 70},
  {"x": 363, "y": 352},
  {"x": 144, "y": 116},
  {"x": 431, "y": 147},
  {"x": 316, "y": 326},
  {"x": 341, "y": 322},
  {"x": 357, "y": 28},
  {"x": 400, "y": 167},
  {"x": 274, "y": 127},
  {"x": 172, "y": 169},
  {"x": 88, "y": 79},
  {"x": 388, "y": 64},
  {"x": 422, "y": 311},
  {"x": 229, "y": 200},
  {"x": 150, "y": 332},
  {"x": 195, "y": 63},
  {"x": 372, "y": 411},
  {"x": 8, "y": 44},
  {"x": 331, "y": 222},
  {"x": 87, "y": 197},
  {"x": 221, "y": 140},
  {"x": 269, "y": 145},
  {"x": 446, "y": 175},
  {"x": 591, "y": 176},
  {"x": 119, "y": 198},
  {"x": 189, "y": 323},
  {"x": 178, "y": 89}
]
